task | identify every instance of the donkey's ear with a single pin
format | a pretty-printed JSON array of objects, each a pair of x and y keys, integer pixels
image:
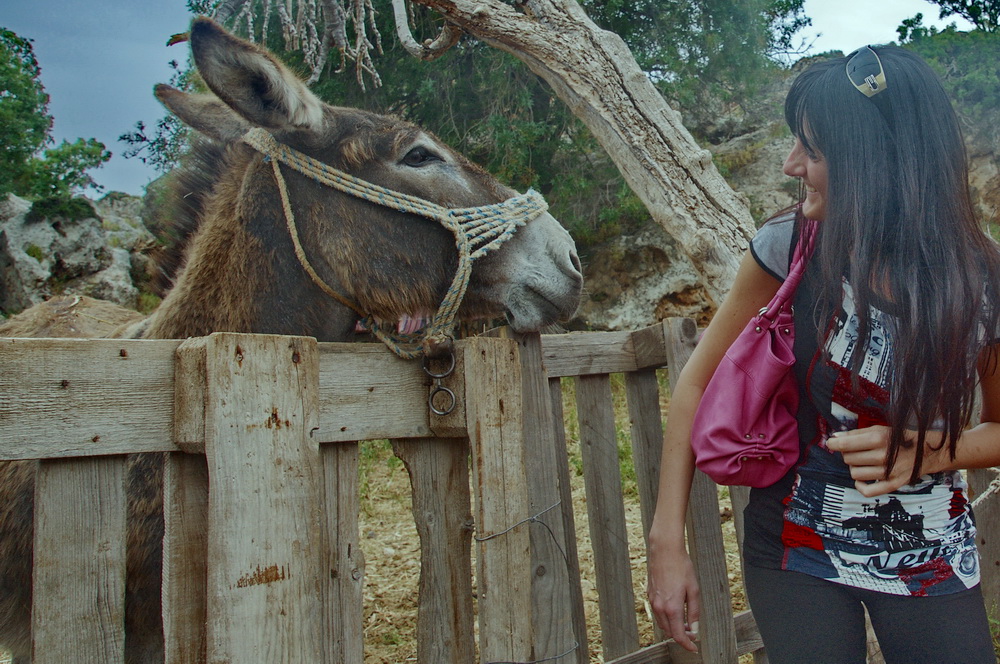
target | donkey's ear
[
  {"x": 205, "y": 113},
  {"x": 251, "y": 81}
]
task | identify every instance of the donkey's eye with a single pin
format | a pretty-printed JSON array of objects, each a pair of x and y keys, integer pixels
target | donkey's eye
[{"x": 420, "y": 156}]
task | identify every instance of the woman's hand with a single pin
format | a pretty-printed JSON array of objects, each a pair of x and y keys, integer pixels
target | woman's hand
[
  {"x": 674, "y": 596},
  {"x": 865, "y": 452}
]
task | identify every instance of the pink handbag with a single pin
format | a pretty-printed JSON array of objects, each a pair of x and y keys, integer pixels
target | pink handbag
[{"x": 745, "y": 431}]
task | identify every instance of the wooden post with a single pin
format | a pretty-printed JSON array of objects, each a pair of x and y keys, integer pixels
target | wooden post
[
  {"x": 78, "y": 611},
  {"x": 494, "y": 414},
  {"x": 265, "y": 503}
]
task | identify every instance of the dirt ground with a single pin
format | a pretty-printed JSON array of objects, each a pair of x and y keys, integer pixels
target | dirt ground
[{"x": 392, "y": 569}]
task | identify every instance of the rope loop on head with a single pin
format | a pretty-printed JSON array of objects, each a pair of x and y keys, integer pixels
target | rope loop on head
[{"x": 477, "y": 230}]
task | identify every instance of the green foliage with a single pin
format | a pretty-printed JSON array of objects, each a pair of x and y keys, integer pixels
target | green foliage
[
  {"x": 165, "y": 145},
  {"x": 967, "y": 64},
  {"x": 147, "y": 303},
  {"x": 24, "y": 119},
  {"x": 24, "y": 130},
  {"x": 35, "y": 252},
  {"x": 63, "y": 169},
  {"x": 995, "y": 629},
  {"x": 60, "y": 207},
  {"x": 705, "y": 56},
  {"x": 984, "y": 14}
]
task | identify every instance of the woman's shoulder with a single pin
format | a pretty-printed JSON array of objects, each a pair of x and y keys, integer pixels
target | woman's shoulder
[{"x": 772, "y": 245}]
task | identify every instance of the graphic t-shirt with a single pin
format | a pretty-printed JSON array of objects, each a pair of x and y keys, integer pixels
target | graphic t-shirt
[{"x": 918, "y": 540}]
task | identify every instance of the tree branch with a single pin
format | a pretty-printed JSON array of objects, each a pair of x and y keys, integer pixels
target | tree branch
[
  {"x": 595, "y": 74},
  {"x": 429, "y": 50}
]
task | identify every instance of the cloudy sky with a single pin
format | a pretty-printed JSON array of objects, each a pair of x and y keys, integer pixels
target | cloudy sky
[{"x": 101, "y": 58}]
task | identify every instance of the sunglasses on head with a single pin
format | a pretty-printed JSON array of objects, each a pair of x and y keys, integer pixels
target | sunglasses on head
[{"x": 864, "y": 69}]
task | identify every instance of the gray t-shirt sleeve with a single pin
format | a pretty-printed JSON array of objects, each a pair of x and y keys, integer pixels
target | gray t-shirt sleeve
[{"x": 772, "y": 246}]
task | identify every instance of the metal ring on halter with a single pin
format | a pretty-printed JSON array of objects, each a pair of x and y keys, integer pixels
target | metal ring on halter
[
  {"x": 447, "y": 372},
  {"x": 451, "y": 396}
]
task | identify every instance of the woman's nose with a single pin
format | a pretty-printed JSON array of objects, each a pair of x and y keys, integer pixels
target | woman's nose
[{"x": 793, "y": 166}]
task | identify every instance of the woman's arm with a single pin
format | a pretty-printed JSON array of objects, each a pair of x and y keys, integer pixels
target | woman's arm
[
  {"x": 673, "y": 590},
  {"x": 865, "y": 450}
]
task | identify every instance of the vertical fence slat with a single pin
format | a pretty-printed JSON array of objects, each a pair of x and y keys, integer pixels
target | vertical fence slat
[
  {"x": 264, "y": 548},
  {"x": 494, "y": 415},
  {"x": 643, "y": 395},
  {"x": 78, "y": 610},
  {"x": 717, "y": 633},
  {"x": 185, "y": 551},
  {"x": 439, "y": 479},
  {"x": 344, "y": 564},
  {"x": 578, "y": 616},
  {"x": 185, "y": 514},
  {"x": 552, "y": 596},
  {"x": 747, "y": 634},
  {"x": 608, "y": 533}
]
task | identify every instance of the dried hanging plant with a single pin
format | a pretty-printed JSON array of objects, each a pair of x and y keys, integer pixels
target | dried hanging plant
[{"x": 314, "y": 27}]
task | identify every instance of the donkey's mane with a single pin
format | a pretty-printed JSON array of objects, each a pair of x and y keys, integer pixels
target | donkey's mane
[{"x": 173, "y": 215}]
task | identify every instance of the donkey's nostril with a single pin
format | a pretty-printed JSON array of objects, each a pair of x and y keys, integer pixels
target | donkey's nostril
[{"x": 575, "y": 260}]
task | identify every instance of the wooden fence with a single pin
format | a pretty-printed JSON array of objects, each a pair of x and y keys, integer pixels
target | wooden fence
[{"x": 262, "y": 560}]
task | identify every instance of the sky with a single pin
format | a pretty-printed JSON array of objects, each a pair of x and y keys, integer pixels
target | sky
[{"x": 101, "y": 58}]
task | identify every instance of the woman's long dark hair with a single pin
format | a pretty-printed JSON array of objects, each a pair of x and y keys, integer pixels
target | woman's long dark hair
[{"x": 900, "y": 227}]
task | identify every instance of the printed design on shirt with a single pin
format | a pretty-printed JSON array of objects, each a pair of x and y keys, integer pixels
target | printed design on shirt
[{"x": 919, "y": 540}]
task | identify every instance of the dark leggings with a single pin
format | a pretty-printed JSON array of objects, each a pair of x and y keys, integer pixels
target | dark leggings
[{"x": 807, "y": 620}]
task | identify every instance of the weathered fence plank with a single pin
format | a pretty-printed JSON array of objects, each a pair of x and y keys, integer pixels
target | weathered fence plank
[
  {"x": 552, "y": 595},
  {"x": 493, "y": 406},
  {"x": 344, "y": 561},
  {"x": 577, "y": 613},
  {"x": 608, "y": 532},
  {"x": 85, "y": 397},
  {"x": 378, "y": 396},
  {"x": 78, "y": 610},
  {"x": 265, "y": 502},
  {"x": 642, "y": 395},
  {"x": 185, "y": 558},
  {"x": 583, "y": 353}
]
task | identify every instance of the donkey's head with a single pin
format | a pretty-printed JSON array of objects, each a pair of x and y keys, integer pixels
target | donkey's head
[{"x": 380, "y": 261}]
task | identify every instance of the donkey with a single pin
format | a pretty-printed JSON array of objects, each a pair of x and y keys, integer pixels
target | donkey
[{"x": 276, "y": 251}]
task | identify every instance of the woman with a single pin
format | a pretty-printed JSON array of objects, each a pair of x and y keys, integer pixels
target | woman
[{"x": 897, "y": 325}]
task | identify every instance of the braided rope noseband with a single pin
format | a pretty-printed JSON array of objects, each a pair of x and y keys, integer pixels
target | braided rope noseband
[{"x": 477, "y": 230}]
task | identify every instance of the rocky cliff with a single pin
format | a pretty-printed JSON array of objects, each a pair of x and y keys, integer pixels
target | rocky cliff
[{"x": 97, "y": 250}]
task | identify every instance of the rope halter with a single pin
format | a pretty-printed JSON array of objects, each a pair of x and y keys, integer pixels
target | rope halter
[{"x": 477, "y": 230}]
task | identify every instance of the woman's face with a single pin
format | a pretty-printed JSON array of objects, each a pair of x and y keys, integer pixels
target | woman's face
[{"x": 811, "y": 167}]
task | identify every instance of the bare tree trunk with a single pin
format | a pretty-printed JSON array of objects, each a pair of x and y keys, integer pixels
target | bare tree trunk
[{"x": 595, "y": 74}]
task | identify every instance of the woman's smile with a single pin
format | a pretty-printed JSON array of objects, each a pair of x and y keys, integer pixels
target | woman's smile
[{"x": 811, "y": 169}]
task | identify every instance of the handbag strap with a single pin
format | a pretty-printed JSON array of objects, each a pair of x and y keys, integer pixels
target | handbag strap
[{"x": 803, "y": 251}]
